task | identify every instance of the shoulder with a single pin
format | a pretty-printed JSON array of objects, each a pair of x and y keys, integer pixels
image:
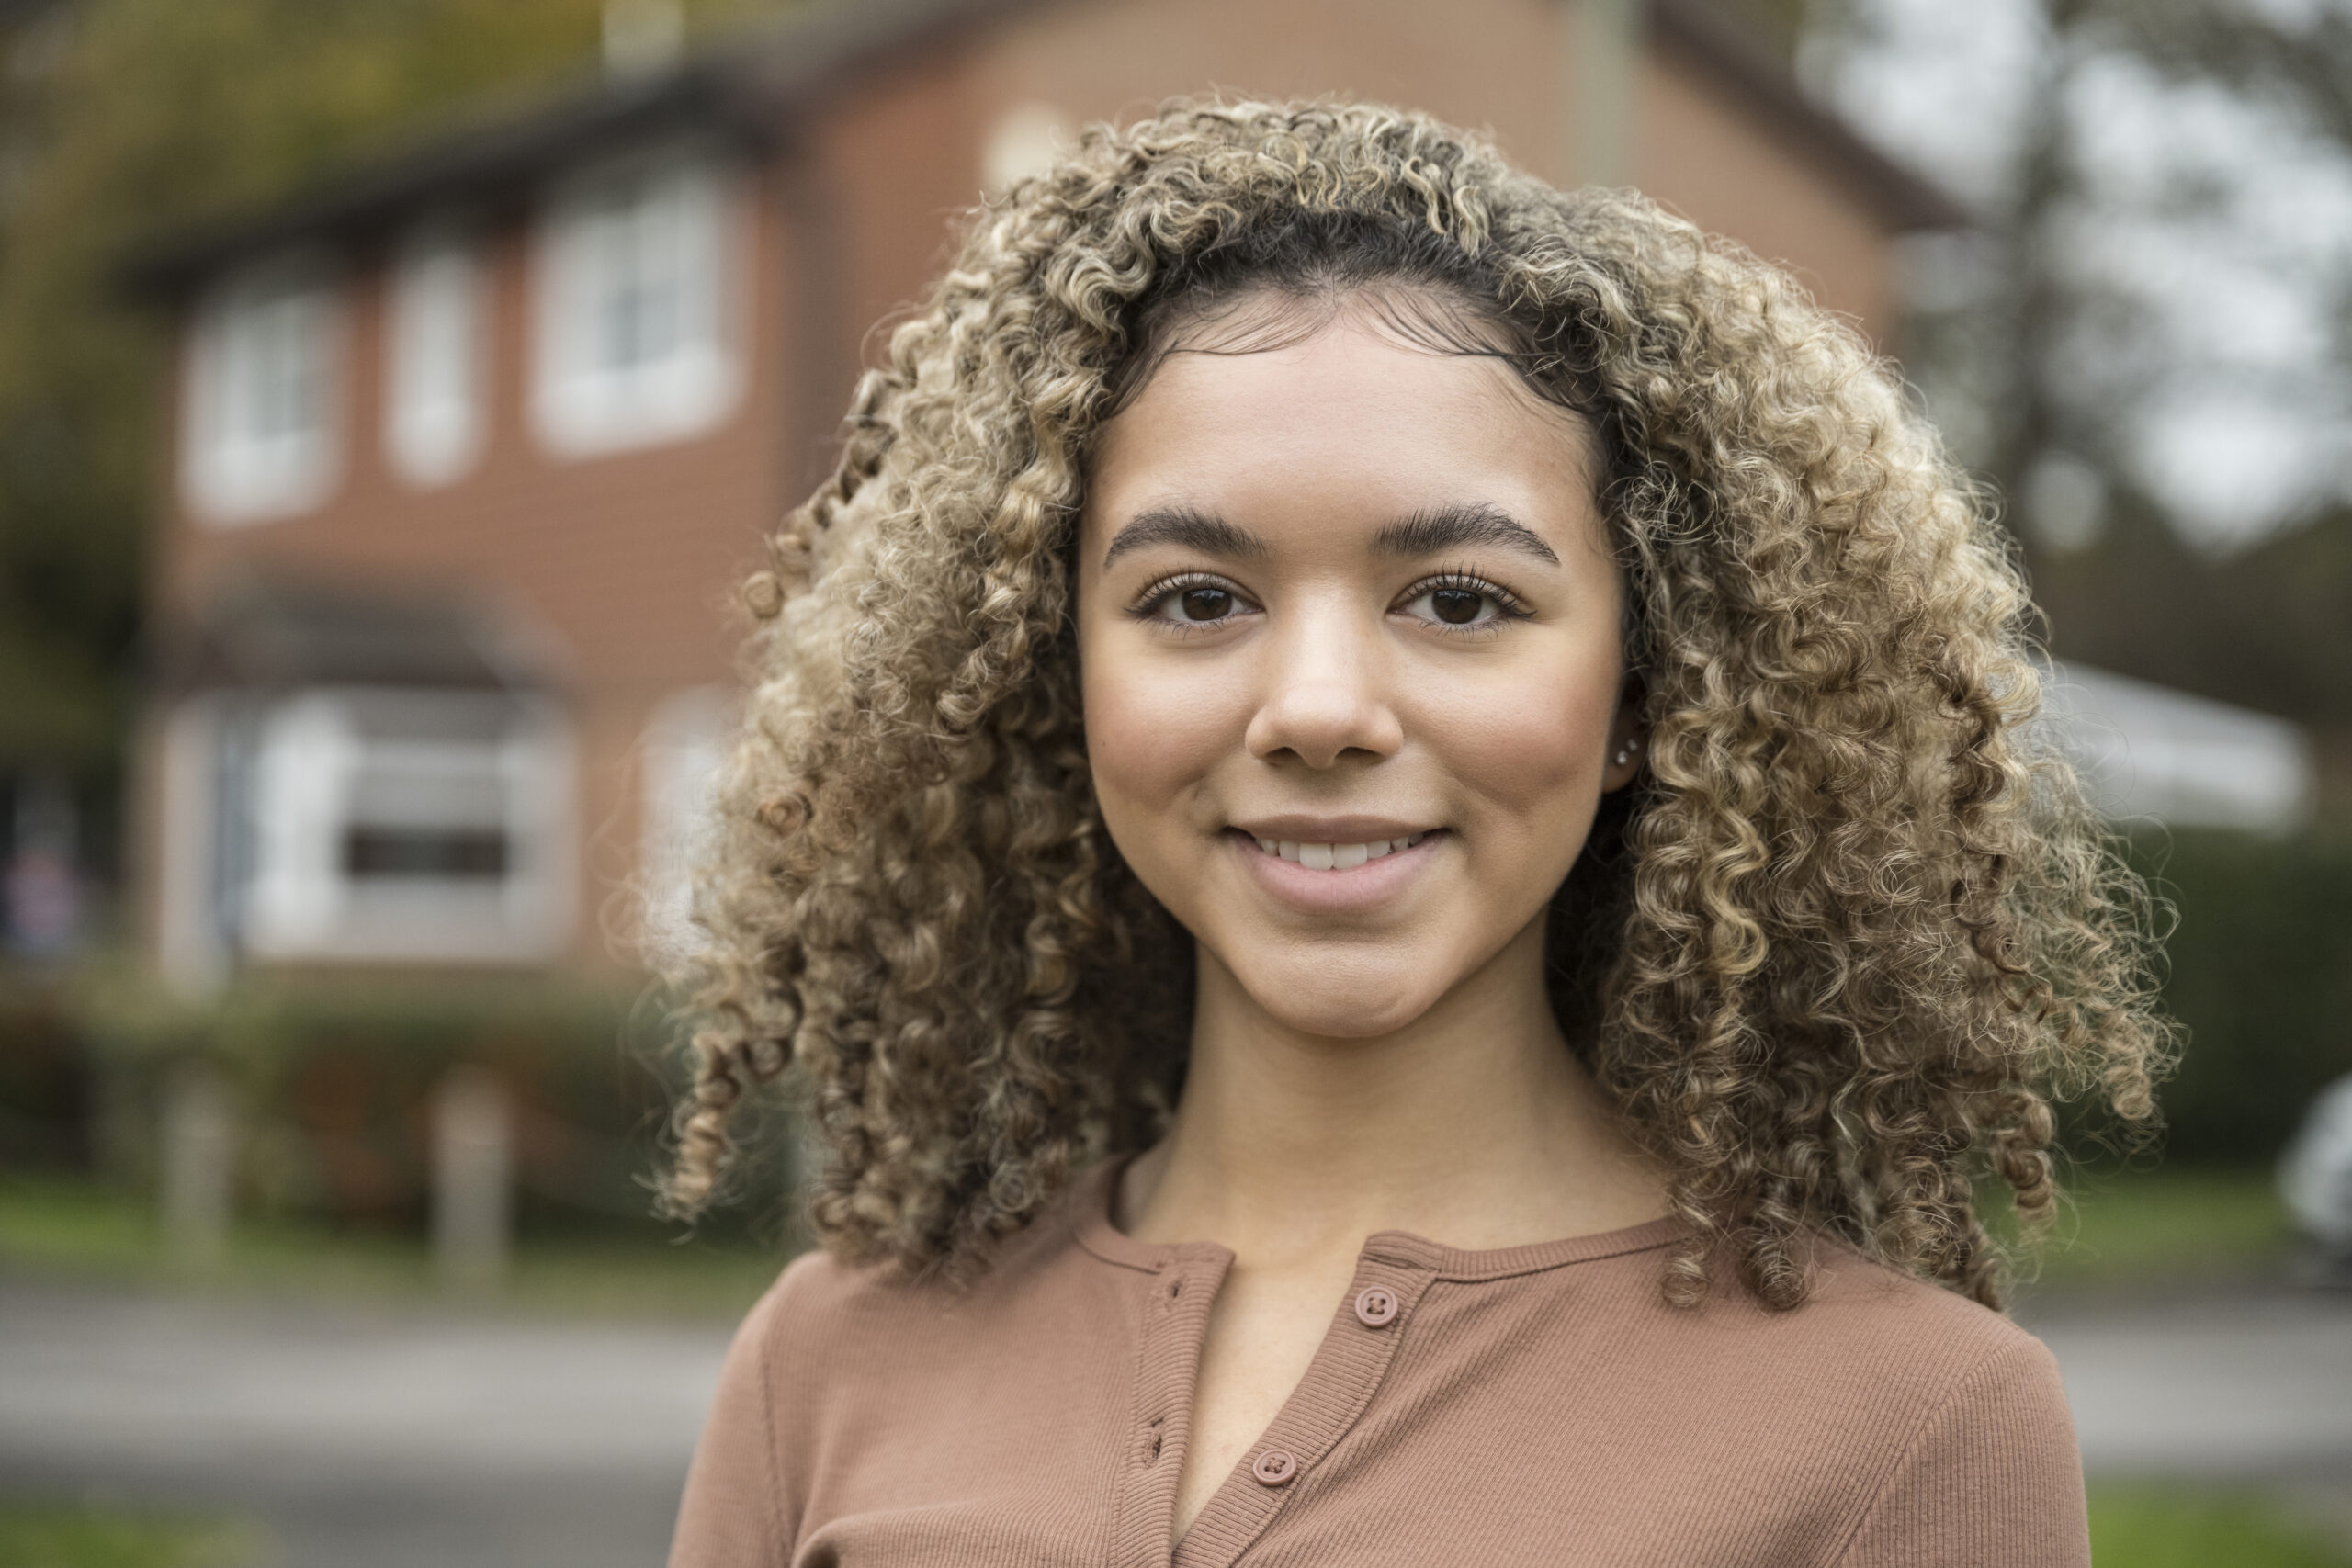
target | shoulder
[
  {"x": 1864, "y": 1308},
  {"x": 1904, "y": 1348},
  {"x": 835, "y": 1357},
  {"x": 1927, "y": 1430},
  {"x": 1972, "y": 1452},
  {"x": 827, "y": 1321},
  {"x": 1870, "y": 1365},
  {"x": 1861, "y": 1323}
]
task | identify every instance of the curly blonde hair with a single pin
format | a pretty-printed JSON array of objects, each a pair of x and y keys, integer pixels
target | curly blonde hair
[{"x": 1827, "y": 955}]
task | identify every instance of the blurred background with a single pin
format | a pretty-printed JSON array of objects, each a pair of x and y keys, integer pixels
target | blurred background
[{"x": 392, "y": 392}]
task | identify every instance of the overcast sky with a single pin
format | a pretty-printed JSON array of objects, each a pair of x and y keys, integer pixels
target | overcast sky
[{"x": 2225, "y": 222}]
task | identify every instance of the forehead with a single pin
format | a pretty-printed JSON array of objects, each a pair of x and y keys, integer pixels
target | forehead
[{"x": 1344, "y": 418}]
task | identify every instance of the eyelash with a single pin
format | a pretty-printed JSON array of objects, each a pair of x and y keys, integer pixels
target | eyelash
[
  {"x": 1148, "y": 605},
  {"x": 1508, "y": 605}
]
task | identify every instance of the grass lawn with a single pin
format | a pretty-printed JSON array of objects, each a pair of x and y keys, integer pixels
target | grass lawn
[
  {"x": 2131, "y": 1526},
  {"x": 2169, "y": 1527},
  {"x": 2158, "y": 1227},
  {"x": 66, "y": 1229},
  {"x": 63, "y": 1536}
]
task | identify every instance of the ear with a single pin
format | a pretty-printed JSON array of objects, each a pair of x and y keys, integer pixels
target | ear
[{"x": 1628, "y": 736}]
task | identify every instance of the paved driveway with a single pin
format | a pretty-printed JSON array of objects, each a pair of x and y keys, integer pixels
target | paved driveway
[
  {"x": 400, "y": 1440},
  {"x": 2250, "y": 1384},
  {"x": 364, "y": 1440}
]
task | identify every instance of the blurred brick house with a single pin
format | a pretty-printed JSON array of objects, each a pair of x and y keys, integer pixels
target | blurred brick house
[{"x": 471, "y": 443}]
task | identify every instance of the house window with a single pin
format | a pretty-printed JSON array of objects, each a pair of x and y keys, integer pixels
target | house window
[
  {"x": 432, "y": 396},
  {"x": 262, "y": 395},
  {"x": 407, "y": 825},
  {"x": 633, "y": 315}
]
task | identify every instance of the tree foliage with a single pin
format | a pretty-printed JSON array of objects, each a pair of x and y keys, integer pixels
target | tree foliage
[
  {"x": 2269, "y": 625},
  {"x": 2049, "y": 342}
]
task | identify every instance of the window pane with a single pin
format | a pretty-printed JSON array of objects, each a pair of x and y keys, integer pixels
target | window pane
[
  {"x": 415, "y": 824},
  {"x": 440, "y": 852},
  {"x": 262, "y": 395},
  {"x": 438, "y": 321},
  {"x": 631, "y": 345}
]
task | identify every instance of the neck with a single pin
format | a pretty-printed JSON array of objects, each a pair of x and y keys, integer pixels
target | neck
[{"x": 1473, "y": 1125}]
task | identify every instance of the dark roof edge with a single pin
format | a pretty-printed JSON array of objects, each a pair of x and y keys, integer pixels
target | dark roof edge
[
  {"x": 755, "y": 86},
  {"x": 750, "y": 85},
  {"x": 1702, "y": 35},
  {"x": 474, "y": 160}
]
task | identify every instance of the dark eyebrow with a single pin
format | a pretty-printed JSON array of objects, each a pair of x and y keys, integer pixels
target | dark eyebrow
[
  {"x": 1193, "y": 530},
  {"x": 1443, "y": 528}
]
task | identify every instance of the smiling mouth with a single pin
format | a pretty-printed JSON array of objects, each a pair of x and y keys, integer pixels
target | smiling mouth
[{"x": 1335, "y": 857}]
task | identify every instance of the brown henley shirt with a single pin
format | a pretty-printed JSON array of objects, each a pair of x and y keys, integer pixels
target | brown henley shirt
[{"x": 1531, "y": 1404}]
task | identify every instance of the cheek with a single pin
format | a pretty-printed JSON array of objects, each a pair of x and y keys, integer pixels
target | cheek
[
  {"x": 1530, "y": 748},
  {"x": 1152, "y": 732}
]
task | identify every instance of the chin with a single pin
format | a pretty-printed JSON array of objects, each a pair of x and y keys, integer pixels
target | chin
[{"x": 1335, "y": 1003}]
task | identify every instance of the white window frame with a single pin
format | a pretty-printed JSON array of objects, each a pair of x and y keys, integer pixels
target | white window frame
[
  {"x": 437, "y": 333},
  {"x": 598, "y": 224},
  {"x": 298, "y": 902},
  {"x": 257, "y": 321}
]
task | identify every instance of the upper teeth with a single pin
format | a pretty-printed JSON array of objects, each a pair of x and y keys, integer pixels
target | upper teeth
[{"x": 1337, "y": 857}]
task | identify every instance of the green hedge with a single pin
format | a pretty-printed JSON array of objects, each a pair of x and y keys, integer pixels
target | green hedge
[
  {"x": 2261, "y": 976},
  {"x": 45, "y": 1076},
  {"x": 333, "y": 1078}
]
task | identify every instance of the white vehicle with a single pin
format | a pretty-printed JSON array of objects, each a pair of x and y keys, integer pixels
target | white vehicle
[{"x": 2315, "y": 1174}]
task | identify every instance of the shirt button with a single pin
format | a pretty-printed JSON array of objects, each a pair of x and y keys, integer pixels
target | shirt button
[
  {"x": 1377, "y": 1306},
  {"x": 1275, "y": 1467}
]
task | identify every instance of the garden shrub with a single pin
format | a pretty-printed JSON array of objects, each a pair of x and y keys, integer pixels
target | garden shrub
[
  {"x": 2261, "y": 974},
  {"x": 333, "y": 1078}
]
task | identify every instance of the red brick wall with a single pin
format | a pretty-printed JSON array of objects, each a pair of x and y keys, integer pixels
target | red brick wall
[{"x": 628, "y": 561}]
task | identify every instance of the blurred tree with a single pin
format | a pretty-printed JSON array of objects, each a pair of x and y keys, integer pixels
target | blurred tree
[
  {"x": 120, "y": 120},
  {"x": 2153, "y": 307},
  {"x": 2273, "y": 619}
]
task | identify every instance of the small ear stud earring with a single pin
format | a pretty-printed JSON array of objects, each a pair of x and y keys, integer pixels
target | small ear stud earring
[{"x": 1625, "y": 752}]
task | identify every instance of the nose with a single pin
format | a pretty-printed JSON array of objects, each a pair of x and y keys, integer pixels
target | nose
[{"x": 1324, "y": 694}]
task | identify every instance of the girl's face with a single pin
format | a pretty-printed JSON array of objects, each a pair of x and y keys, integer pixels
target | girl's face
[{"x": 1348, "y": 630}]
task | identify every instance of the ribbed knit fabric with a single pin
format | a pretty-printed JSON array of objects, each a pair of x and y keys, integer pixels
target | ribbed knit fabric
[{"x": 1535, "y": 1404}]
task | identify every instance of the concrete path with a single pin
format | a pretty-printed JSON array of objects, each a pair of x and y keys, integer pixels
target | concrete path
[
  {"x": 2247, "y": 1384},
  {"x": 361, "y": 1439},
  {"x": 398, "y": 1440}
]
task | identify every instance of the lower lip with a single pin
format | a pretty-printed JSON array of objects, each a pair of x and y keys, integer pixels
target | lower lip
[{"x": 1335, "y": 892}]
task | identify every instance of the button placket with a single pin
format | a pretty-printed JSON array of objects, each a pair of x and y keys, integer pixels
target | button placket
[
  {"x": 1173, "y": 1323},
  {"x": 1340, "y": 1383}
]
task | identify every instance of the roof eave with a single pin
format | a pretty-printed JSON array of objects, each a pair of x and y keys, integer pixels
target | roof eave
[
  {"x": 754, "y": 89},
  {"x": 472, "y": 164},
  {"x": 1703, "y": 36}
]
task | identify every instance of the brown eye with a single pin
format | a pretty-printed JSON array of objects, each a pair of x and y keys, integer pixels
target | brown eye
[
  {"x": 1462, "y": 604},
  {"x": 1205, "y": 603},
  {"x": 1455, "y": 606}
]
